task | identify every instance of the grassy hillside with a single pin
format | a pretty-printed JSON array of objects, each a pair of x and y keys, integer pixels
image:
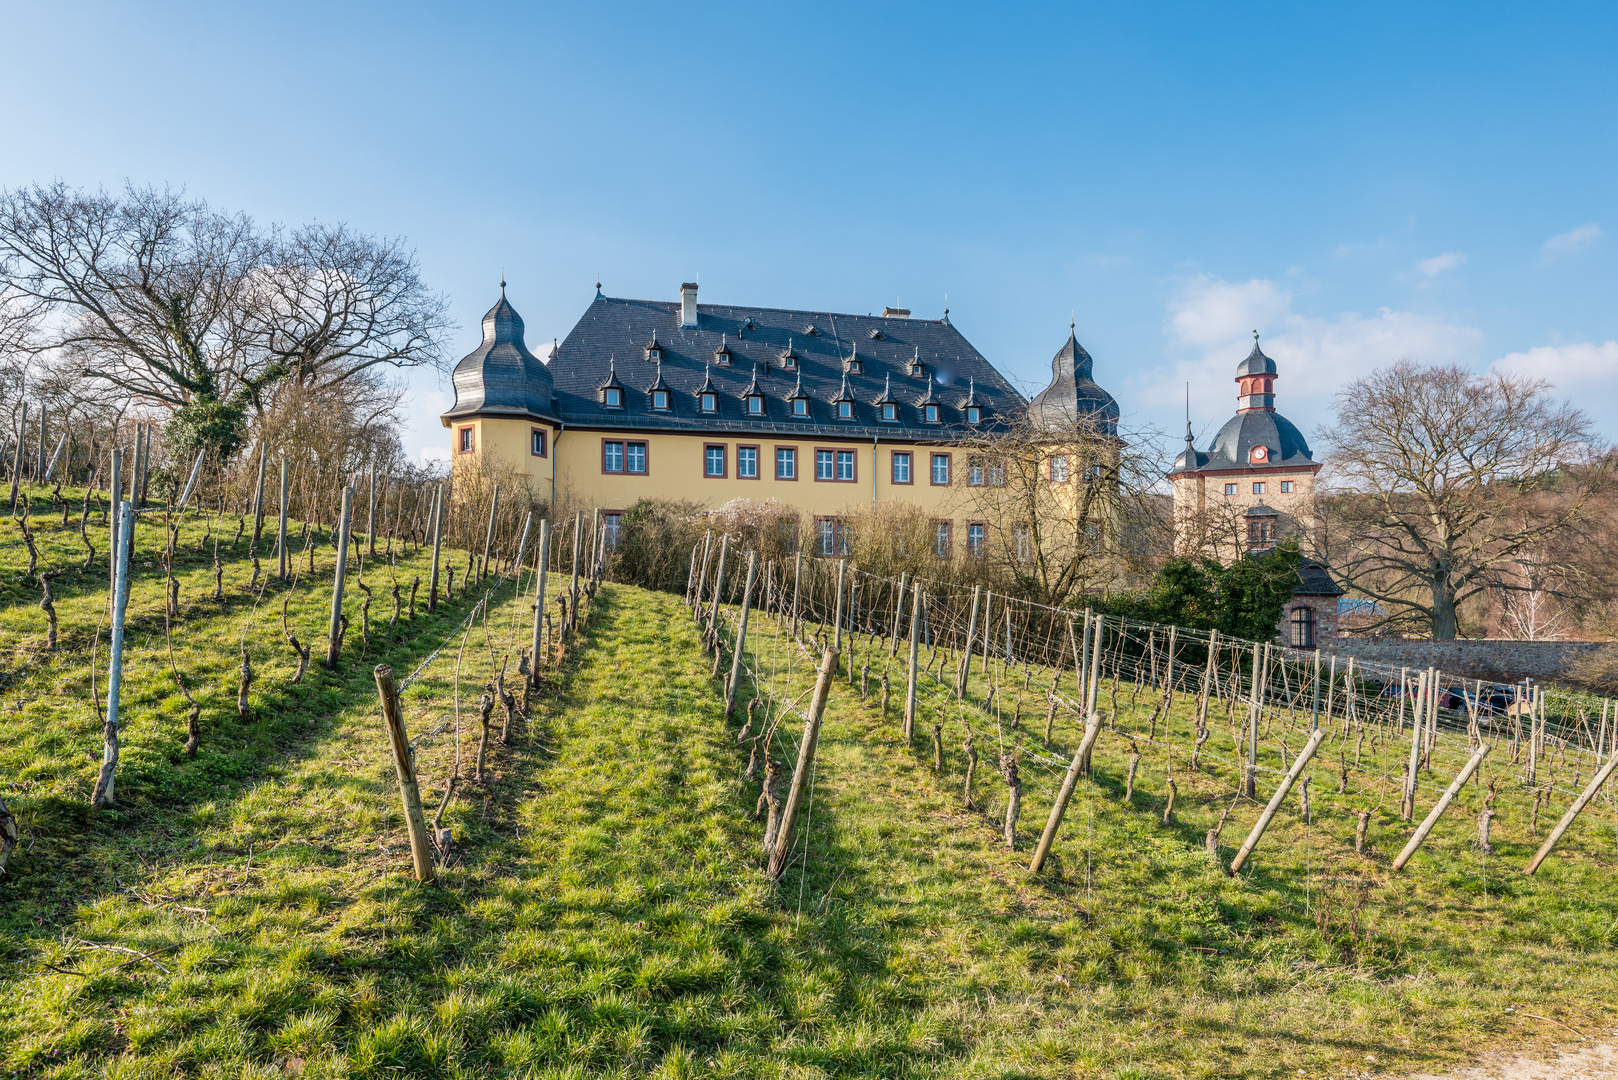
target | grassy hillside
[{"x": 604, "y": 912}]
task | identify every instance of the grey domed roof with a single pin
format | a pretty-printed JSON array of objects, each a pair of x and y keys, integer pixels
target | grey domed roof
[
  {"x": 1256, "y": 363},
  {"x": 501, "y": 375},
  {"x": 1073, "y": 396},
  {"x": 1232, "y": 447}
]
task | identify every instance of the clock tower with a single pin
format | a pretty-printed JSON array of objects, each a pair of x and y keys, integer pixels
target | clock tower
[{"x": 1255, "y": 484}]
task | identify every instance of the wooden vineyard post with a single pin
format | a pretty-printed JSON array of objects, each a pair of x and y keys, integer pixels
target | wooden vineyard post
[
  {"x": 1207, "y": 679},
  {"x": 719, "y": 583},
  {"x": 370, "y": 519},
  {"x": 258, "y": 496},
  {"x": 438, "y": 539},
  {"x": 1407, "y": 805},
  {"x": 404, "y": 764},
  {"x": 702, "y": 576},
  {"x": 539, "y": 601},
  {"x": 1438, "y": 809},
  {"x": 837, "y": 610},
  {"x": 1097, "y": 639},
  {"x": 797, "y": 582},
  {"x": 488, "y": 533},
  {"x": 1059, "y": 808},
  {"x": 1572, "y": 812},
  {"x": 966, "y": 653},
  {"x": 1287, "y": 781},
  {"x": 1250, "y": 783},
  {"x": 573, "y": 594},
  {"x": 898, "y": 613},
  {"x": 103, "y": 794},
  {"x": 334, "y": 640},
  {"x": 1092, "y": 729},
  {"x": 910, "y": 677},
  {"x": 806, "y": 759},
  {"x": 741, "y": 638},
  {"x": 1314, "y": 707},
  {"x": 16, "y": 464},
  {"x": 281, "y": 525}
]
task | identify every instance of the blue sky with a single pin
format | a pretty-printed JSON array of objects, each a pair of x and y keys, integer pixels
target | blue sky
[{"x": 1359, "y": 182}]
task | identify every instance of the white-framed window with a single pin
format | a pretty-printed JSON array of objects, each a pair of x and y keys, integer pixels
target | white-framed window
[
  {"x": 708, "y": 403},
  {"x": 941, "y": 469},
  {"x": 635, "y": 458},
  {"x": 747, "y": 462},
  {"x": 611, "y": 529},
  {"x": 789, "y": 362},
  {"x": 1024, "y": 538},
  {"x": 1230, "y": 489},
  {"x": 901, "y": 467},
  {"x": 612, "y": 456},
  {"x": 974, "y": 539},
  {"x": 974, "y": 414},
  {"x": 660, "y": 400},
  {"x": 826, "y": 536},
  {"x": 1303, "y": 628},
  {"x": 917, "y": 370},
  {"x": 856, "y": 366},
  {"x": 713, "y": 459},
  {"x": 890, "y": 412},
  {"x": 755, "y": 405},
  {"x": 824, "y": 464},
  {"x": 974, "y": 472},
  {"x": 941, "y": 539},
  {"x": 930, "y": 414},
  {"x": 786, "y": 463},
  {"x": 1058, "y": 468},
  {"x": 800, "y": 406},
  {"x": 1286, "y": 487},
  {"x": 845, "y": 465},
  {"x": 469, "y": 439},
  {"x": 1258, "y": 487},
  {"x": 536, "y": 442},
  {"x": 845, "y": 410},
  {"x": 612, "y": 397}
]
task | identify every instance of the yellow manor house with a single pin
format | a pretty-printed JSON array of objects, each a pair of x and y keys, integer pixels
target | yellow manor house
[{"x": 653, "y": 399}]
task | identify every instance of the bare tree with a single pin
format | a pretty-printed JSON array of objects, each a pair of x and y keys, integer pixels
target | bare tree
[
  {"x": 1438, "y": 486},
  {"x": 1064, "y": 503}
]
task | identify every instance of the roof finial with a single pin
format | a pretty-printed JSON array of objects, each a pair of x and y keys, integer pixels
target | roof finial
[
  {"x": 1255, "y": 337},
  {"x": 502, "y": 284},
  {"x": 598, "y": 284},
  {"x": 1188, "y": 416}
]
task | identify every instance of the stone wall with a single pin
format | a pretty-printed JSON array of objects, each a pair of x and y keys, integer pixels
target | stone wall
[{"x": 1491, "y": 659}]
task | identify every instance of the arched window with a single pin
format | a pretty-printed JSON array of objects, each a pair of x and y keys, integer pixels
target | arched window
[{"x": 1303, "y": 628}]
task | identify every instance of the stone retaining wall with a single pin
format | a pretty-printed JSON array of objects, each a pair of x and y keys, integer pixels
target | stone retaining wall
[{"x": 1491, "y": 659}]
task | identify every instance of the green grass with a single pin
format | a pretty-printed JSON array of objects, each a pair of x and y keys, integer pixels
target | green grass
[{"x": 605, "y": 913}]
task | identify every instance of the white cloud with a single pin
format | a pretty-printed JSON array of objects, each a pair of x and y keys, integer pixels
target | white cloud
[
  {"x": 1209, "y": 311},
  {"x": 1569, "y": 242},
  {"x": 1439, "y": 263},
  {"x": 1584, "y": 372},
  {"x": 1316, "y": 355}
]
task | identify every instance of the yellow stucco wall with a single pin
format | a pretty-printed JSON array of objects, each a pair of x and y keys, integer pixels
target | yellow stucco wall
[
  {"x": 675, "y": 468},
  {"x": 1201, "y": 506}
]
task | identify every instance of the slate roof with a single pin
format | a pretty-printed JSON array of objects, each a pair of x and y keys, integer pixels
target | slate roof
[
  {"x": 501, "y": 375},
  {"x": 1073, "y": 395},
  {"x": 1316, "y": 580},
  {"x": 613, "y": 332}
]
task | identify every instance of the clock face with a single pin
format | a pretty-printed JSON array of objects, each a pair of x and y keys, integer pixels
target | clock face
[{"x": 1260, "y": 453}]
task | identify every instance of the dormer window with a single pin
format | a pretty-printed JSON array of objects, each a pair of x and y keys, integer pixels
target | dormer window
[
  {"x": 789, "y": 362},
  {"x": 855, "y": 366},
  {"x": 612, "y": 397},
  {"x": 812, "y": 330},
  {"x": 917, "y": 370},
  {"x": 800, "y": 407},
  {"x": 755, "y": 404},
  {"x": 875, "y": 335},
  {"x": 654, "y": 354},
  {"x": 974, "y": 414},
  {"x": 929, "y": 414},
  {"x": 708, "y": 403},
  {"x": 845, "y": 410},
  {"x": 660, "y": 400},
  {"x": 722, "y": 357},
  {"x": 890, "y": 412}
]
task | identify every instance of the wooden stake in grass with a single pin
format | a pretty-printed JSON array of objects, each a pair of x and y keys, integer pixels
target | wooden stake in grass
[
  {"x": 1287, "y": 781},
  {"x": 438, "y": 540},
  {"x": 258, "y": 495},
  {"x": 966, "y": 653},
  {"x": 898, "y": 613},
  {"x": 573, "y": 593},
  {"x": 806, "y": 759},
  {"x": 488, "y": 533},
  {"x": 1572, "y": 812},
  {"x": 910, "y": 678},
  {"x": 1438, "y": 809},
  {"x": 1059, "y": 808},
  {"x": 102, "y": 796},
  {"x": 535, "y": 646},
  {"x": 370, "y": 520},
  {"x": 404, "y": 764},
  {"x": 1008, "y": 769},
  {"x": 741, "y": 639},
  {"x": 334, "y": 638}
]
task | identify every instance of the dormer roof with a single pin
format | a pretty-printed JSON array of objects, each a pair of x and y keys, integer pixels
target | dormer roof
[{"x": 612, "y": 376}]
